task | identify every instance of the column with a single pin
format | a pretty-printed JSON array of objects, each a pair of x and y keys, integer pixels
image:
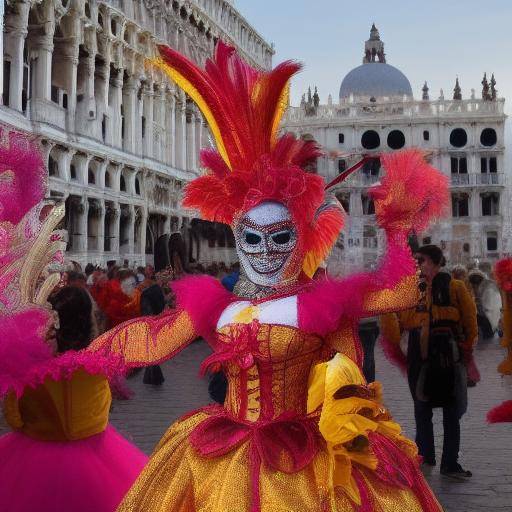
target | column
[
  {"x": 115, "y": 108},
  {"x": 167, "y": 224},
  {"x": 199, "y": 140},
  {"x": 159, "y": 121},
  {"x": 14, "y": 44},
  {"x": 101, "y": 228},
  {"x": 116, "y": 218},
  {"x": 143, "y": 228},
  {"x": 191, "y": 141},
  {"x": 170, "y": 127},
  {"x": 71, "y": 56},
  {"x": 82, "y": 210},
  {"x": 130, "y": 88},
  {"x": 180, "y": 139},
  {"x": 42, "y": 82},
  {"x": 148, "y": 116},
  {"x": 131, "y": 230}
]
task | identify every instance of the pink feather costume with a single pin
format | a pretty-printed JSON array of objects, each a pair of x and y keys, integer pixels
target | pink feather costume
[
  {"x": 61, "y": 454},
  {"x": 298, "y": 430}
]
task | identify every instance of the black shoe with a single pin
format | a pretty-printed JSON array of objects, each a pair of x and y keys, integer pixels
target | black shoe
[{"x": 456, "y": 472}]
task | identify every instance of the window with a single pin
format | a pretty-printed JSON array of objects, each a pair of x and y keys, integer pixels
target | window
[
  {"x": 490, "y": 204},
  {"x": 370, "y": 237},
  {"x": 368, "y": 205},
  {"x": 466, "y": 247},
  {"x": 55, "y": 94},
  {"x": 488, "y": 164},
  {"x": 137, "y": 186},
  {"x": 458, "y": 138},
  {"x": 341, "y": 138},
  {"x": 371, "y": 167},
  {"x": 344, "y": 199},
  {"x": 460, "y": 205},
  {"x": 7, "y": 79},
  {"x": 104, "y": 127},
  {"x": 143, "y": 126},
  {"x": 91, "y": 178},
  {"x": 488, "y": 137},
  {"x": 72, "y": 172},
  {"x": 459, "y": 165},
  {"x": 122, "y": 122},
  {"x": 107, "y": 180},
  {"x": 396, "y": 139},
  {"x": 53, "y": 168},
  {"x": 426, "y": 135},
  {"x": 492, "y": 241},
  {"x": 342, "y": 165},
  {"x": 370, "y": 139},
  {"x": 122, "y": 184}
]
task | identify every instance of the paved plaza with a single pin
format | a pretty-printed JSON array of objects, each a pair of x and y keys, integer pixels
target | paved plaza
[{"x": 486, "y": 449}]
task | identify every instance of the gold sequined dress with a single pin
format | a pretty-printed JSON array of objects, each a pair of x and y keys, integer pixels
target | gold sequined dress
[{"x": 299, "y": 431}]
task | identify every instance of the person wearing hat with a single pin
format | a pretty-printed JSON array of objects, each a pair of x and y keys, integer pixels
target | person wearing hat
[{"x": 441, "y": 332}]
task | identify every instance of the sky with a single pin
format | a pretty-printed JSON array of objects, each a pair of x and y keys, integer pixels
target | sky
[{"x": 432, "y": 40}]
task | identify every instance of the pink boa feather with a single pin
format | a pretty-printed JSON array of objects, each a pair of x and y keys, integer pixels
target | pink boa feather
[{"x": 394, "y": 354}]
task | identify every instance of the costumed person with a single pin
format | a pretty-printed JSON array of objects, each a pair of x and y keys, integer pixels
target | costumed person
[
  {"x": 488, "y": 303},
  {"x": 441, "y": 332},
  {"x": 119, "y": 297},
  {"x": 503, "y": 275},
  {"x": 61, "y": 454},
  {"x": 273, "y": 445}
]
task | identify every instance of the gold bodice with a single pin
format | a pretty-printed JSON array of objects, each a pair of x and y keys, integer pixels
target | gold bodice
[
  {"x": 277, "y": 380},
  {"x": 64, "y": 410}
]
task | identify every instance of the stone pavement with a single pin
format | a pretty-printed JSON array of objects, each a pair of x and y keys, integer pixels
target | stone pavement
[{"x": 486, "y": 450}]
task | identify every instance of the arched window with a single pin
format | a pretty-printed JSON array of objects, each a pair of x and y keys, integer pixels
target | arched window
[
  {"x": 122, "y": 184},
  {"x": 137, "y": 186},
  {"x": 107, "y": 179},
  {"x": 53, "y": 166},
  {"x": 91, "y": 179}
]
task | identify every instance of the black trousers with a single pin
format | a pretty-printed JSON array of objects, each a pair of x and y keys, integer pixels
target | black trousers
[{"x": 425, "y": 434}]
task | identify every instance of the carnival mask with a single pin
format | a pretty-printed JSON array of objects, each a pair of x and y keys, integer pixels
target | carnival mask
[{"x": 267, "y": 245}]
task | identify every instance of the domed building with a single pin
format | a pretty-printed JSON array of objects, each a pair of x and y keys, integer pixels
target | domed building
[
  {"x": 375, "y": 79},
  {"x": 377, "y": 112}
]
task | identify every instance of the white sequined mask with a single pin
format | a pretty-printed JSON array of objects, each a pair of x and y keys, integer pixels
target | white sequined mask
[{"x": 267, "y": 243}]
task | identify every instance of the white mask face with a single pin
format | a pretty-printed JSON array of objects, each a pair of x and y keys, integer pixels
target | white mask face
[
  {"x": 266, "y": 243},
  {"x": 128, "y": 285}
]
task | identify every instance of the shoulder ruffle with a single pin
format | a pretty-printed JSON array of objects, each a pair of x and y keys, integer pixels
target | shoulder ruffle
[
  {"x": 26, "y": 360},
  {"x": 204, "y": 299}
]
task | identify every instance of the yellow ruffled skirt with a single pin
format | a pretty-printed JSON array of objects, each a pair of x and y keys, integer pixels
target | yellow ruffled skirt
[{"x": 178, "y": 479}]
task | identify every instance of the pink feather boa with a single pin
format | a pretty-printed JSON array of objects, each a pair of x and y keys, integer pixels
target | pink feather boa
[{"x": 26, "y": 360}]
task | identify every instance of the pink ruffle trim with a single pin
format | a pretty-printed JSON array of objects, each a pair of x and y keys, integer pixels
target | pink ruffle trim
[{"x": 62, "y": 367}]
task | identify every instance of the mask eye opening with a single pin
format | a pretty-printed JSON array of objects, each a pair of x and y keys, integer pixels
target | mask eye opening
[
  {"x": 252, "y": 238},
  {"x": 281, "y": 238}
]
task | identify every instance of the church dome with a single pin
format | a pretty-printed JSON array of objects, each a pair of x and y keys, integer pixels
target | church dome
[{"x": 375, "y": 78}]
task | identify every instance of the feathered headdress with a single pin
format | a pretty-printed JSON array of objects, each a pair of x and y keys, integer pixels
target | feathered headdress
[
  {"x": 243, "y": 107},
  {"x": 27, "y": 244}
]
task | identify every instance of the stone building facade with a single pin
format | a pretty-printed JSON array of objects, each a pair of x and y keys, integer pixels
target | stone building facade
[
  {"x": 119, "y": 138},
  {"x": 376, "y": 112}
]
